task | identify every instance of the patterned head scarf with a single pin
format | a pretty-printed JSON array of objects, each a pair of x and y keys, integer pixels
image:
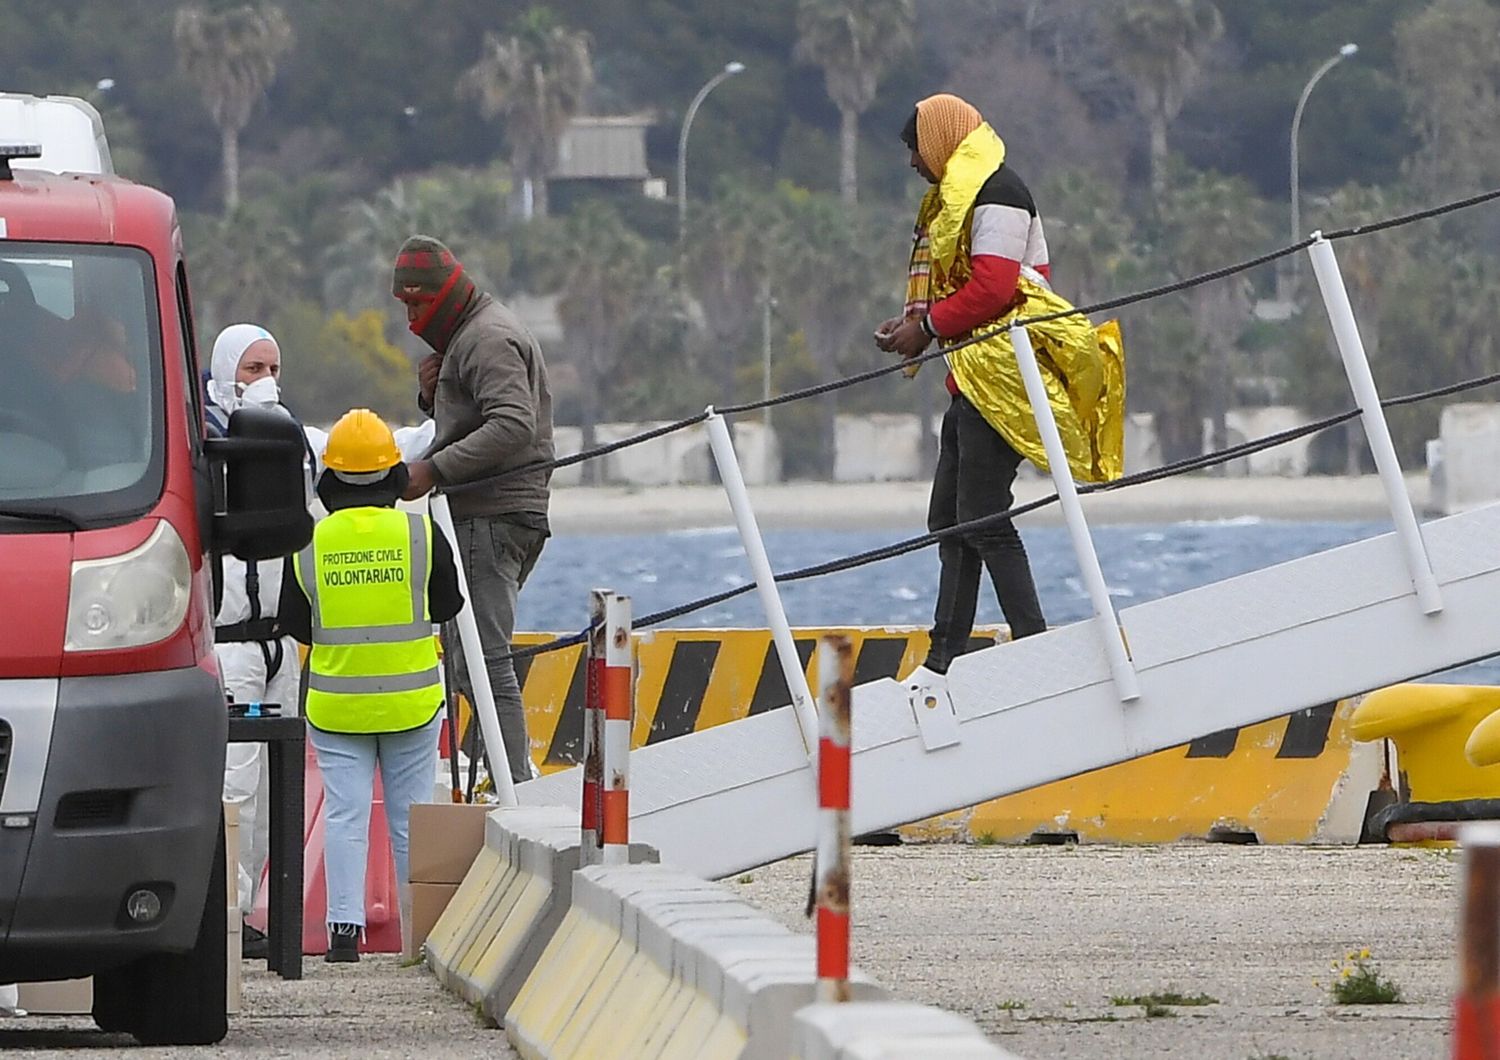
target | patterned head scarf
[
  {"x": 427, "y": 274},
  {"x": 942, "y": 123}
]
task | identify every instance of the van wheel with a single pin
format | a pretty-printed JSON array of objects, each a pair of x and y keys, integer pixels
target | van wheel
[{"x": 174, "y": 998}]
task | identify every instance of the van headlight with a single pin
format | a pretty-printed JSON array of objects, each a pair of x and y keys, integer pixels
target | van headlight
[{"x": 131, "y": 600}]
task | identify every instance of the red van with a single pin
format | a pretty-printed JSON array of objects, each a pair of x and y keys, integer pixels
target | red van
[{"x": 112, "y": 503}]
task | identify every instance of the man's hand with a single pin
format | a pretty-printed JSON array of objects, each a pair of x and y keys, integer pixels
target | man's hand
[
  {"x": 423, "y": 480},
  {"x": 883, "y": 333},
  {"x": 427, "y": 376},
  {"x": 909, "y": 339}
]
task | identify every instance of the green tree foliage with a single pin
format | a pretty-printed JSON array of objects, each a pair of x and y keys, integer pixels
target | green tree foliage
[
  {"x": 335, "y": 363},
  {"x": 1446, "y": 53},
  {"x": 1162, "y": 47},
  {"x": 361, "y": 139},
  {"x": 854, "y": 41},
  {"x": 537, "y": 78},
  {"x": 825, "y": 282},
  {"x": 1207, "y": 220},
  {"x": 231, "y": 56},
  {"x": 604, "y": 295},
  {"x": 728, "y": 254}
]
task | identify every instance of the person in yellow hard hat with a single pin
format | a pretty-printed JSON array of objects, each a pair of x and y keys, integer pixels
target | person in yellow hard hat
[{"x": 367, "y": 593}]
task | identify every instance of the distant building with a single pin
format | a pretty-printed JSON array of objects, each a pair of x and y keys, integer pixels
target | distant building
[{"x": 608, "y": 149}]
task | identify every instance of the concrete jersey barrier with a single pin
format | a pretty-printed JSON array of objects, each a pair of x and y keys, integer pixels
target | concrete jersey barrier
[{"x": 651, "y": 961}]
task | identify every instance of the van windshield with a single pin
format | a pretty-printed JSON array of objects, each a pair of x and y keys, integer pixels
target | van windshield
[{"x": 80, "y": 384}]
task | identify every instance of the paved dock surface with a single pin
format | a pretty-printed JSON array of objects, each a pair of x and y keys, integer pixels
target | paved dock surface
[
  {"x": 373, "y": 1010},
  {"x": 1032, "y": 942}
]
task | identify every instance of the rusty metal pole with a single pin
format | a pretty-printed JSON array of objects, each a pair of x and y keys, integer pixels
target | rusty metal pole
[
  {"x": 831, "y": 883},
  {"x": 592, "y": 822},
  {"x": 1476, "y": 1016},
  {"x": 617, "y": 688}
]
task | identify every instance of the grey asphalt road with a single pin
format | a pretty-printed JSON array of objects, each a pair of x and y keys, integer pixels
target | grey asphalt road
[
  {"x": 374, "y": 1009},
  {"x": 1033, "y": 942}
]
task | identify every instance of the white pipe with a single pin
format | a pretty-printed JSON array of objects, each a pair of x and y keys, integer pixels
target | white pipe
[
  {"x": 1127, "y": 687},
  {"x": 479, "y": 677},
  {"x": 1377, "y": 432},
  {"x": 765, "y": 581}
]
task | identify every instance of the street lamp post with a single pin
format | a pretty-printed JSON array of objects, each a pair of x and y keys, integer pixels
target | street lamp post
[
  {"x": 1343, "y": 53},
  {"x": 730, "y": 69}
]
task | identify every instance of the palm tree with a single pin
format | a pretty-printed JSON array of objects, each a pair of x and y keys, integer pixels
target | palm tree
[
  {"x": 1089, "y": 236},
  {"x": 231, "y": 56},
  {"x": 537, "y": 79},
  {"x": 854, "y": 41},
  {"x": 246, "y": 265},
  {"x": 727, "y": 262},
  {"x": 828, "y": 254},
  {"x": 455, "y": 204},
  {"x": 1208, "y": 219},
  {"x": 1161, "y": 47},
  {"x": 603, "y": 294}
]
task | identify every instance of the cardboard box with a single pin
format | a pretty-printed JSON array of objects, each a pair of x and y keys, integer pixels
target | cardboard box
[
  {"x": 428, "y": 900},
  {"x": 71, "y": 997},
  {"x": 63, "y": 997},
  {"x": 445, "y": 840}
]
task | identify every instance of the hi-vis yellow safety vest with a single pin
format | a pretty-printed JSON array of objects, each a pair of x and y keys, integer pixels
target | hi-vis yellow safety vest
[{"x": 374, "y": 662}]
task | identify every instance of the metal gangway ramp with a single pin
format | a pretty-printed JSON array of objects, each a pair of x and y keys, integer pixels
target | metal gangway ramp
[
  {"x": 1099, "y": 692},
  {"x": 1237, "y": 652}
]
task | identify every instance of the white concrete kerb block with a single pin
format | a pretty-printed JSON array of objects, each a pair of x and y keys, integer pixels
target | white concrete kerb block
[{"x": 886, "y": 1030}]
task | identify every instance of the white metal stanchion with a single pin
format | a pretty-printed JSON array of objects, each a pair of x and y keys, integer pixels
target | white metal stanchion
[
  {"x": 765, "y": 581},
  {"x": 479, "y": 677},
  {"x": 1127, "y": 687},
  {"x": 1377, "y": 432}
]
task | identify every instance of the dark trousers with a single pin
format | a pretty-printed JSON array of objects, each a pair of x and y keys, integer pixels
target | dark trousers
[
  {"x": 975, "y": 471},
  {"x": 498, "y": 554}
]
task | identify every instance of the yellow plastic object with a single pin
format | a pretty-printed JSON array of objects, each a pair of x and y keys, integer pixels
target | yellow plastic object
[
  {"x": 1430, "y": 726},
  {"x": 361, "y": 443},
  {"x": 1483, "y": 746}
]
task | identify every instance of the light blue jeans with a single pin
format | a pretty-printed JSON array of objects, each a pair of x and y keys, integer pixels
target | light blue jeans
[{"x": 408, "y": 768}]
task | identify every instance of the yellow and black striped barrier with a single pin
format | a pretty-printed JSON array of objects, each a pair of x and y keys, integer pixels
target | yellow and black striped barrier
[{"x": 1289, "y": 780}]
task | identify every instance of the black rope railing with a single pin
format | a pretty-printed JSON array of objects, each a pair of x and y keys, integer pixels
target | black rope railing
[{"x": 914, "y": 544}]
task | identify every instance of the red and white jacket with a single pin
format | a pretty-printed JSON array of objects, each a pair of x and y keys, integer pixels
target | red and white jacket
[{"x": 1005, "y": 237}]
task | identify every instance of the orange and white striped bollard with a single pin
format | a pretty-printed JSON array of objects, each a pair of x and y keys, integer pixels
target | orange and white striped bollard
[
  {"x": 617, "y": 693},
  {"x": 592, "y": 819},
  {"x": 831, "y": 882}
]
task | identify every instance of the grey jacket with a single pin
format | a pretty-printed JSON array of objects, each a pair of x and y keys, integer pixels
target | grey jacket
[{"x": 493, "y": 412}]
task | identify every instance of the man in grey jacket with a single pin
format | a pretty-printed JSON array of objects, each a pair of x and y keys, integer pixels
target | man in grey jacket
[{"x": 485, "y": 386}]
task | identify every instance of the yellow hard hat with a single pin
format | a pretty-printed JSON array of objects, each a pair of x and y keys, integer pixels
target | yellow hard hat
[{"x": 361, "y": 443}]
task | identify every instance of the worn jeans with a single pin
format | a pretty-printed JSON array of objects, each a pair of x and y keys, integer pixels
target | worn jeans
[
  {"x": 408, "y": 767},
  {"x": 975, "y": 472},
  {"x": 497, "y": 556}
]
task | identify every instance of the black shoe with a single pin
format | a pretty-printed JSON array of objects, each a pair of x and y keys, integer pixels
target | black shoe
[
  {"x": 343, "y": 944},
  {"x": 254, "y": 946}
]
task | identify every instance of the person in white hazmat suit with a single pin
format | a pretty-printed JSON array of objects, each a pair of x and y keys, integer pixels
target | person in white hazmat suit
[{"x": 258, "y": 665}]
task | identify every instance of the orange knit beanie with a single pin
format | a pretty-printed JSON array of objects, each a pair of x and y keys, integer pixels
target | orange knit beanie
[{"x": 942, "y": 123}]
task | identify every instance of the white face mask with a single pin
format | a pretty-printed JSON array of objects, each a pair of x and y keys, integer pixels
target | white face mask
[{"x": 263, "y": 392}]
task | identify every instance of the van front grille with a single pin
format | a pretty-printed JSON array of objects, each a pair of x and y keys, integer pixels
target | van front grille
[{"x": 92, "y": 809}]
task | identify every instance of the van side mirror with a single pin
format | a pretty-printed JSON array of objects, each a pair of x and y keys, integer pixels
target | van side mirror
[{"x": 260, "y": 510}]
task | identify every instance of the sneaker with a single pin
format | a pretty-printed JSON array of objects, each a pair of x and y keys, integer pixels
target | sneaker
[
  {"x": 254, "y": 946},
  {"x": 343, "y": 944},
  {"x": 924, "y": 677}
]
